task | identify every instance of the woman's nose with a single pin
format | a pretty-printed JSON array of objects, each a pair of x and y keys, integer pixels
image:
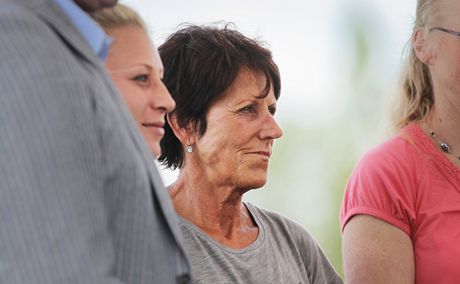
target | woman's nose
[
  {"x": 163, "y": 99},
  {"x": 271, "y": 129}
]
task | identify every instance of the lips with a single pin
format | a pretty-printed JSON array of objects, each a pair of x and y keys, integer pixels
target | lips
[
  {"x": 153, "y": 124},
  {"x": 155, "y": 127},
  {"x": 265, "y": 154}
]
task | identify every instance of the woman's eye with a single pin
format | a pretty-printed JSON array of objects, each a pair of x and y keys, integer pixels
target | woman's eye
[
  {"x": 248, "y": 109},
  {"x": 272, "y": 110},
  {"x": 141, "y": 78}
]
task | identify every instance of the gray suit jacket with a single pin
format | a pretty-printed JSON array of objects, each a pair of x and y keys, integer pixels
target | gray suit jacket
[{"x": 80, "y": 198}]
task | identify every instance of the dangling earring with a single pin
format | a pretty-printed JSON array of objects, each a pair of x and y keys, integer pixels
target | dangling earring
[{"x": 189, "y": 149}]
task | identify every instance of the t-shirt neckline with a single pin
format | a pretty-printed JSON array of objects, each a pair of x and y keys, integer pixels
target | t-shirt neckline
[
  {"x": 254, "y": 245},
  {"x": 446, "y": 167}
]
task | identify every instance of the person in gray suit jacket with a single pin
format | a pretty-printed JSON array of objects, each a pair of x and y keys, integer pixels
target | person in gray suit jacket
[{"x": 80, "y": 198}]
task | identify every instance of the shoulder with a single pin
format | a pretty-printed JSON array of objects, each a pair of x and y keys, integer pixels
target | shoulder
[
  {"x": 30, "y": 46},
  {"x": 276, "y": 223},
  {"x": 398, "y": 161},
  {"x": 27, "y": 34},
  {"x": 272, "y": 217},
  {"x": 36, "y": 59},
  {"x": 15, "y": 16},
  {"x": 384, "y": 182},
  {"x": 396, "y": 152},
  {"x": 302, "y": 246}
]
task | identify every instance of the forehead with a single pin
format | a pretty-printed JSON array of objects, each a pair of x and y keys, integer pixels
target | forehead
[
  {"x": 447, "y": 12},
  {"x": 131, "y": 45},
  {"x": 247, "y": 85}
]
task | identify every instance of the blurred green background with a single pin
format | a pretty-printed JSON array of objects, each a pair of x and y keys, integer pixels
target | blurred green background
[{"x": 339, "y": 61}]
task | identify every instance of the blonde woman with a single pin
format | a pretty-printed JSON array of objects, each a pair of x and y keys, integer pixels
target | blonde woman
[
  {"x": 401, "y": 211},
  {"x": 136, "y": 69}
]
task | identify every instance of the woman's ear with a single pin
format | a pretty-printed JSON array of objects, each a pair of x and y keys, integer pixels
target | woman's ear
[
  {"x": 421, "y": 47},
  {"x": 184, "y": 134}
]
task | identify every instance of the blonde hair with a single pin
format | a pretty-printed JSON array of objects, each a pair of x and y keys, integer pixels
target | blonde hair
[
  {"x": 416, "y": 98},
  {"x": 118, "y": 16}
]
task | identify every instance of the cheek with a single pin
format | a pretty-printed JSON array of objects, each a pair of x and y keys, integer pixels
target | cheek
[
  {"x": 448, "y": 74},
  {"x": 134, "y": 98},
  {"x": 218, "y": 149},
  {"x": 448, "y": 59},
  {"x": 225, "y": 141},
  {"x": 455, "y": 67}
]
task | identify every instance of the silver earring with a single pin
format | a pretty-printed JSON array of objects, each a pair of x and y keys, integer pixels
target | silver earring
[{"x": 189, "y": 149}]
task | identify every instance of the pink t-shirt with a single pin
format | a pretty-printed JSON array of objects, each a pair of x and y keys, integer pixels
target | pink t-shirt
[{"x": 409, "y": 183}]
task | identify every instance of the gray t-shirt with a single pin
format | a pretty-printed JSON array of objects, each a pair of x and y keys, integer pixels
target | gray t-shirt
[{"x": 284, "y": 252}]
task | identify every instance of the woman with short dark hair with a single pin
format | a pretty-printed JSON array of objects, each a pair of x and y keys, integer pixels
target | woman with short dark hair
[{"x": 220, "y": 136}]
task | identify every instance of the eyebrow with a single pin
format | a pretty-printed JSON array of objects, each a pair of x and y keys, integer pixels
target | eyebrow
[
  {"x": 255, "y": 99},
  {"x": 150, "y": 68},
  {"x": 130, "y": 68},
  {"x": 243, "y": 101}
]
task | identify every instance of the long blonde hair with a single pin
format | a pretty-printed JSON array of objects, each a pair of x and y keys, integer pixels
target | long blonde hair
[{"x": 416, "y": 97}]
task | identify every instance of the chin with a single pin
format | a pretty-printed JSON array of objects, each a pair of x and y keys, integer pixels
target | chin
[
  {"x": 251, "y": 177},
  {"x": 156, "y": 150},
  {"x": 255, "y": 183}
]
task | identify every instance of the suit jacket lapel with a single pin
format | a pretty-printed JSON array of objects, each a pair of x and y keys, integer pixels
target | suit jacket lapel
[{"x": 158, "y": 189}]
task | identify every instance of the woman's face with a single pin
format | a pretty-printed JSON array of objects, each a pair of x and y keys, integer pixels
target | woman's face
[
  {"x": 237, "y": 144},
  {"x": 136, "y": 69},
  {"x": 444, "y": 49}
]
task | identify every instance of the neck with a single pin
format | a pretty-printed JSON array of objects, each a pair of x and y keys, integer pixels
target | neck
[
  {"x": 444, "y": 117},
  {"x": 215, "y": 208},
  {"x": 444, "y": 121}
]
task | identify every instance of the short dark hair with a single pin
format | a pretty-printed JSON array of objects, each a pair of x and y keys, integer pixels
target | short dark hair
[{"x": 201, "y": 63}]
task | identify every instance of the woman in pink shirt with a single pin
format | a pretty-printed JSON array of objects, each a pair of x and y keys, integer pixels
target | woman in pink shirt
[{"x": 401, "y": 211}]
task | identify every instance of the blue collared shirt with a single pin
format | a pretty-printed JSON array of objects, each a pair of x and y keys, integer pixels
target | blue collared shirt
[{"x": 91, "y": 32}]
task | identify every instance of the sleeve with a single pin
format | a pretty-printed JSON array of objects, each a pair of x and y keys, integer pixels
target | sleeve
[
  {"x": 318, "y": 266},
  {"x": 54, "y": 227},
  {"x": 382, "y": 186},
  {"x": 320, "y": 269}
]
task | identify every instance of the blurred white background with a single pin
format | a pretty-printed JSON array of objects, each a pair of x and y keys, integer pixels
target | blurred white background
[{"x": 339, "y": 63}]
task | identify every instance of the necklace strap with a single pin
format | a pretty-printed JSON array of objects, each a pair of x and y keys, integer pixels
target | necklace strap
[{"x": 443, "y": 145}]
